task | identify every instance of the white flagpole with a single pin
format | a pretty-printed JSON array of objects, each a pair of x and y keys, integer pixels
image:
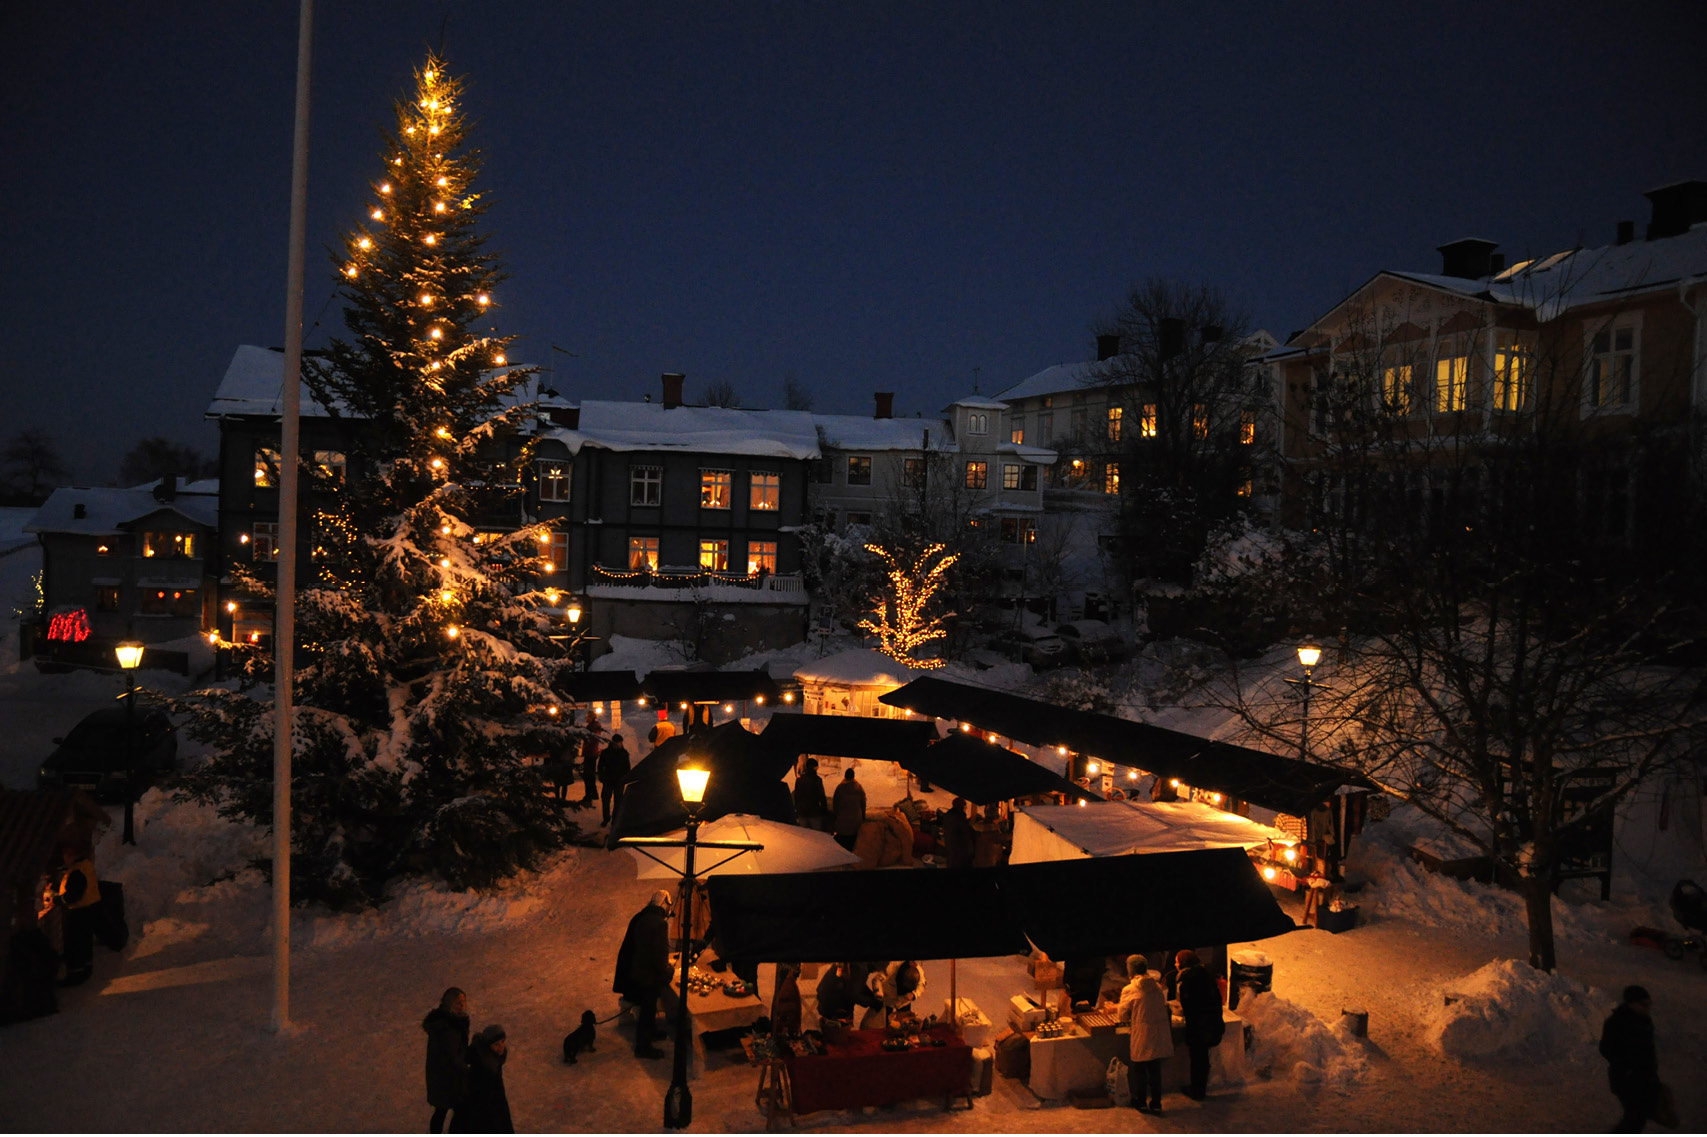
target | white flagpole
[{"x": 284, "y": 623}]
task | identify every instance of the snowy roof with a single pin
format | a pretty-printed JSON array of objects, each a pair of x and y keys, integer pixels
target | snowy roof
[
  {"x": 107, "y": 509},
  {"x": 1056, "y": 380},
  {"x": 1116, "y": 828},
  {"x": 978, "y": 403},
  {"x": 854, "y": 432},
  {"x": 859, "y": 667},
  {"x": 254, "y": 385},
  {"x": 713, "y": 430}
]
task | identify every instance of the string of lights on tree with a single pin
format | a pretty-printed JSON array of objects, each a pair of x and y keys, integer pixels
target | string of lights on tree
[{"x": 902, "y": 624}]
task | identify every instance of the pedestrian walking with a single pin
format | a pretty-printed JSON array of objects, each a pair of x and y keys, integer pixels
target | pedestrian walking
[
  {"x": 487, "y": 1107},
  {"x": 1145, "y": 1007},
  {"x": 590, "y": 760},
  {"x": 1200, "y": 1003},
  {"x": 1632, "y": 1066},
  {"x": 958, "y": 838},
  {"x": 643, "y": 970},
  {"x": 811, "y": 807},
  {"x": 848, "y": 810},
  {"x": 613, "y": 773},
  {"x": 447, "y": 1055}
]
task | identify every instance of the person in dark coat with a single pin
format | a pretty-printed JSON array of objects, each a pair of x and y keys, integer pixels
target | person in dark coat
[
  {"x": 848, "y": 811},
  {"x": 958, "y": 838},
  {"x": 1200, "y": 1003},
  {"x": 643, "y": 970},
  {"x": 447, "y": 1055},
  {"x": 613, "y": 772},
  {"x": 841, "y": 988},
  {"x": 810, "y": 804},
  {"x": 1627, "y": 1044},
  {"x": 590, "y": 760},
  {"x": 487, "y": 1107},
  {"x": 79, "y": 902}
]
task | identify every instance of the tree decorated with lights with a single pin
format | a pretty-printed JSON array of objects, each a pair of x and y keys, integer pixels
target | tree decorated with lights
[
  {"x": 903, "y": 621},
  {"x": 426, "y": 655}
]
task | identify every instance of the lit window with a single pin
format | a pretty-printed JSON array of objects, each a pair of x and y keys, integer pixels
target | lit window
[
  {"x": 1114, "y": 414},
  {"x": 1199, "y": 421},
  {"x": 714, "y": 556},
  {"x": 553, "y": 481},
  {"x": 1147, "y": 421},
  {"x": 1451, "y": 382},
  {"x": 1396, "y": 389},
  {"x": 170, "y": 602},
  {"x": 764, "y": 490},
  {"x": 168, "y": 544},
  {"x": 1016, "y": 434},
  {"x": 977, "y": 475},
  {"x": 1010, "y": 475},
  {"x": 1513, "y": 365},
  {"x": 266, "y": 468},
  {"x": 761, "y": 557},
  {"x": 557, "y": 552},
  {"x": 859, "y": 470},
  {"x": 1019, "y": 476},
  {"x": 1612, "y": 370},
  {"x": 1247, "y": 428},
  {"x": 977, "y": 423},
  {"x": 714, "y": 488},
  {"x": 264, "y": 542},
  {"x": 1018, "y": 530},
  {"x": 1111, "y": 478},
  {"x": 643, "y": 554},
  {"x": 645, "y": 485},
  {"x": 913, "y": 473},
  {"x": 330, "y": 465}
]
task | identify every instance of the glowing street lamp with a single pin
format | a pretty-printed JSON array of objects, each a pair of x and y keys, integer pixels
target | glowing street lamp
[
  {"x": 1309, "y": 655},
  {"x": 129, "y": 654},
  {"x": 678, "y": 1100}
]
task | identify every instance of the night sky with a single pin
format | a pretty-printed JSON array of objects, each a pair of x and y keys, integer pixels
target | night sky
[{"x": 910, "y": 197}]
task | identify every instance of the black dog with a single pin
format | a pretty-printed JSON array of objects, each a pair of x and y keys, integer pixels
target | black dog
[{"x": 581, "y": 1038}]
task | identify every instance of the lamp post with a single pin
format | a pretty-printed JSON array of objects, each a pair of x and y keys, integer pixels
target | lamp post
[
  {"x": 1309, "y": 655},
  {"x": 678, "y": 1101},
  {"x": 573, "y": 611},
  {"x": 129, "y": 654}
]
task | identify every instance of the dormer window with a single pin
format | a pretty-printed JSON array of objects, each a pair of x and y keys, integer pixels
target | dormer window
[{"x": 977, "y": 422}]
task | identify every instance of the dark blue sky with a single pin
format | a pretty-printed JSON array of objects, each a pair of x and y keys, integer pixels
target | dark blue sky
[{"x": 866, "y": 196}]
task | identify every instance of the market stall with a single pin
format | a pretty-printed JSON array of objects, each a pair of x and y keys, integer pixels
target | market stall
[
  {"x": 849, "y": 683},
  {"x": 859, "y": 1069},
  {"x": 1106, "y": 829},
  {"x": 746, "y": 777}
]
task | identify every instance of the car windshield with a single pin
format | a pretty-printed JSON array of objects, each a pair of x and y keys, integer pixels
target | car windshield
[{"x": 102, "y": 728}]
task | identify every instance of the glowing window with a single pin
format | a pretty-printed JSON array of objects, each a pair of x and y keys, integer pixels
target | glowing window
[
  {"x": 714, "y": 556},
  {"x": 761, "y": 557},
  {"x": 1114, "y": 416},
  {"x": 764, "y": 490},
  {"x": 1396, "y": 389},
  {"x": 1451, "y": 383},
  {"x": 1513, "y": 365},
  {"x": 1111, "y": 478},
  {"x": 977, "y": 475},
  {"x": 714, "y": 487},
  {"x": 643, "y": 554},
  {"x": 859, "y": 470},
  {"x": 1147, "y": 421},
  {"x": 266, "y": 468},
  {"x": 264, "y": 541},
  {"x": 553, "y": 481},
  {"x": 168, "y": 544}
]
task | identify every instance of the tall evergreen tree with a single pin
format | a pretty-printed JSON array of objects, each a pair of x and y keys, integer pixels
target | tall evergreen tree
[{"x": 425, "y": 663}]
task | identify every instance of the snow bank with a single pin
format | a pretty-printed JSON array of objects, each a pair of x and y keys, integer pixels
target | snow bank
[
  {"x": 1291, "y": 1042},
  {"x": 1509, "y": 1011}
]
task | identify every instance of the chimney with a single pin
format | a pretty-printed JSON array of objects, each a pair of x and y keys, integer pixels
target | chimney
[
  {"x": 673, "y": 381},
  {"x": 1676, "y": 208},
  {"x": 79, "y": 511},
  {"x": 1107, "y": 347},
  {"x": 1626, "y": 232},
  {"x": 1170, "y": 336},
  {"x": 885, "y": 404},
  {"x": 167, "y": 490},
  {"x": 1468, "y": 259}
]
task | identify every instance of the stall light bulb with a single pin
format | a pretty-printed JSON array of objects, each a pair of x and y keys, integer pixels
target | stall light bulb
[
  {"x": 550, "y": 567},
  {"x": 759, "y": 699},
  {"x": 728, "y": 708},
  {"x": 1132, "y": 775},
  {"x": 243, "y": 540},
  {"x": 1061, "y": 750},
  {"x": 408, "y": 130},
  {"x": 452, "y": 631},
  {"x": 231, "y": 605},
  {"x": 443, "y": 433},
  {"x": 1290, "y": 854},
  {"x": 1268, "y": 872},
  {"x": 438, "y": 207},
  {"x": 1216, "y": 798},
  {"x": 1174, "y": 782},
  {"x": 351, "y": 271},
  {"x": 438, "y": 335},
  {"x": 788, "y": 696},
  {"x": 552, "y": 710},
  {"x": 1091, "y": 767},
  {"x": 437, "y": 464},
  {"x": 385, "y": 188},
  {"x": 446, "y": 595},
  {"x": 397, "y": 161},
  {"x": 430, "y": 239},
  {"x": 426, "y": 300},
  {"x": 444, "y": 562},
  {"x": 445, "y": 529},
  {"x": 433, "y": 130},
  {"x": 1081, "y": 803},
  {"x": 213, "y": 638}
]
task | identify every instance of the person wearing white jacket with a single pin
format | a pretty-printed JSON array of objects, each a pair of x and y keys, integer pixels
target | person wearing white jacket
[{"x": 1144, "y": 1006}]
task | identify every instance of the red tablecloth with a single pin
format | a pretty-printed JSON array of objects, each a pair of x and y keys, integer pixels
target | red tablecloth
[{"x": 858, "y": 1072}]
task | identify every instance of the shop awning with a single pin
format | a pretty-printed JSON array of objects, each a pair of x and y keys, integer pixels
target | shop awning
[
  {"x": 1151, "y": 901},
  {"x": 677, "y": 687},
  {"x": 746, "y": 777},
  {"x": 831, "y": 917},
  {"x": 1070, "y": 909},
  {"x": 598, "y": 686},
  {"x": 982, "y": 772},
  {"x": 1115, "y": 828},
  {"x": 1274, "y": 781},
  {"x": 845, "y": 736}
]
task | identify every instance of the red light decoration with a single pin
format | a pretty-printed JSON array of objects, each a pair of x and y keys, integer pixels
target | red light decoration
[{"x": 69, "y": 627}]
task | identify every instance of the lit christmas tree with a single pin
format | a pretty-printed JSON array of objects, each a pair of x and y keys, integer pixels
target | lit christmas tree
[
  {"x": 425, "y": 658},
  {"x": 903, "y": 625}
]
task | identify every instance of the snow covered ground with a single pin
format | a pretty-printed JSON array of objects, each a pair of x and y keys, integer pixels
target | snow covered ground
[{"x": 173, "y": 1035}]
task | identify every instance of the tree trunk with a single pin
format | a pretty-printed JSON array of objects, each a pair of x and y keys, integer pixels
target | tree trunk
[{"x": 1538, "y": 903}]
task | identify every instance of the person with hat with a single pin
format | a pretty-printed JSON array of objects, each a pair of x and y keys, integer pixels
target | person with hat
[
  {"x": 1145, "y": 1008},
  {"x": 487, "y": 1107},
  {"x": 643, "y": 970},
  {"x": 848, "y": 810},
  {"x": 1200, "y": 1003},
  {"x": 811, "y": 806},
  {"x": 1627, "y": 1044},
  {"x": 447, "y": 1055}
]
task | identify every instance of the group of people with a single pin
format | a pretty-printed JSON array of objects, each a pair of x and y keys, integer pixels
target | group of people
[
  {"x": 604, "y": 767},
  {"x": 1144, "y": 1007},
  {"x": 465, "y": 1076},
  {"x": 840, "y": 814}
]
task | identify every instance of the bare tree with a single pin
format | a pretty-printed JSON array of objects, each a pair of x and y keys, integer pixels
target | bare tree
[
  {"x": 157, "y": 456},
  {"x": 721, "y": 393},
  {"x": 32, "y": 462},
  {"x": 796, "y": 396}
]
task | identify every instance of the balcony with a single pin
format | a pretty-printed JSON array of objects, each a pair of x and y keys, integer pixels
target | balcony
[{"x": 678, "y": 583}]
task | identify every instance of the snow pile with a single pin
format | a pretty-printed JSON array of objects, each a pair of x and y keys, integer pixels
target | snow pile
[
  {"x": 628, "y": 653},
  {"x": 1290, "y": 1041},
  {"x": 181, "y": 847},
  {"x": 1509, "y": 1011}
]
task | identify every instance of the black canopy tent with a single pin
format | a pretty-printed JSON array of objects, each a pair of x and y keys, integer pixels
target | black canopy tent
[
  {"x": 598, "y": 686},
  {"x": 1071, "y": 909},
  {"x": 982, "y": 772},
  {"x": 674, "y": 688},
  {"x": 745, "y": 778},
  {"x": 843, "y": 736},
  {"x": 1274, "y": 781}
]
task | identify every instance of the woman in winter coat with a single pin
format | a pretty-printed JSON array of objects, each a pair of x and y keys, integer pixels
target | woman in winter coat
[
  {"x": 447, "y": 1055},
  {"x": 487, "y": 1108},
  {"x": 1145, "y": 1007}
]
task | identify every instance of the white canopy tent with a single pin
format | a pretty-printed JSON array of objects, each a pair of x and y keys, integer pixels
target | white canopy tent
[
  {"x": 787, "y": 848},
  {"x": 1115, "y": 828}
]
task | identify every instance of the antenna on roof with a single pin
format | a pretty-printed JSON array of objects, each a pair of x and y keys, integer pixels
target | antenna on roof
[{"x": 975, "y": 374}]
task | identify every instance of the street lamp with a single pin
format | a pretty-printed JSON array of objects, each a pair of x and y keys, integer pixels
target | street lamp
[
  {"x": 1309, "y": 655},
  {"x": 678, "y": 1101},
  {"x": 129, "y": 654}
]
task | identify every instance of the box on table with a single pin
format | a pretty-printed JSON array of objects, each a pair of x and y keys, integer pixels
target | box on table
[
  {"x": 1024, "y": 1013},
  {"x": 974, "y": 1025},
  {"x": 983, "y": 1071}
]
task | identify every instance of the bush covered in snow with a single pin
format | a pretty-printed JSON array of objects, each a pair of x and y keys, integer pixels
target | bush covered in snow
[
  {"x": 1291, "y": 1042},
  {"x": 1509, "y": 1011}
]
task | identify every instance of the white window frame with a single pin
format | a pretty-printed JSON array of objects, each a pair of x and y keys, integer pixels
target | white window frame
[
  {"x": 977, "y": 422},
  {"x": 264, "y": 541},
  {"x": 553, "y": 488},
  {"x": 764, "y": 496},
  {"x": 642, "y": 479},
  {"x": 849, "y": 466},
  {"x": 647, "y": 548},
  {"x": 712, "y": 478},
  {"x": 1610, "y": 327},
  {"x": 714, "y": 548},
  {"x": 765, "y": 552}
]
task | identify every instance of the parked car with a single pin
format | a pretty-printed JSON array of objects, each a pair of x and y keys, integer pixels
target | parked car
[
  {"x": 1092, "y": 641},
  {"x": 94, "y": 756},
  {"x": 1039, "y": 647}
]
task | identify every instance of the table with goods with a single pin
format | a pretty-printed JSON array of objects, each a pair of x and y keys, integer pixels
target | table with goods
[
  {"x": 1070, "y": 1054},
  {"x": 907, "y": 1060}
]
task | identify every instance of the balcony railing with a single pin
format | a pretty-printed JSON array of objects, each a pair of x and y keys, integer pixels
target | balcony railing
[{"x": 666, "y": 577}]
